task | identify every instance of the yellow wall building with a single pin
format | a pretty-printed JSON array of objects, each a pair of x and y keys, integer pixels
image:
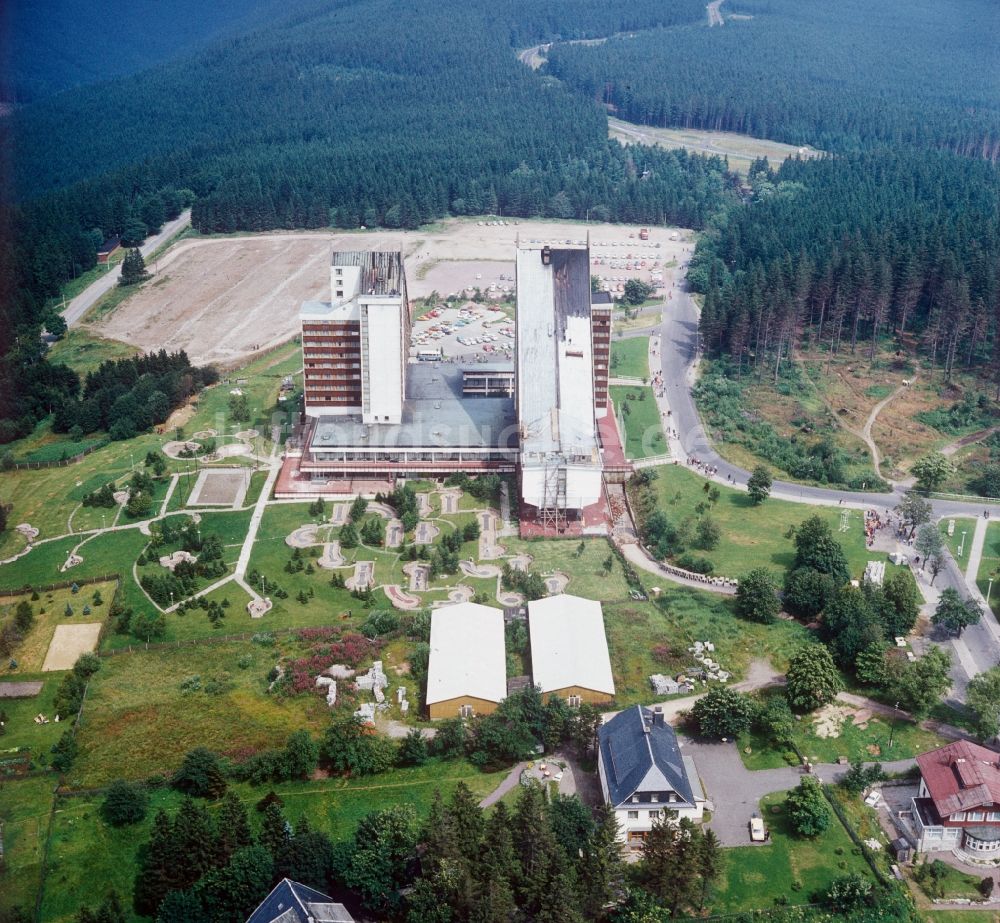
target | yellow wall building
[
  {"x": 569, "y": 649},
  {"x": 467, "y": 668}
]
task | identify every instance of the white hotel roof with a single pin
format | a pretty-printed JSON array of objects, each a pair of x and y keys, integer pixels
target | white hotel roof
[
  {"x": 555, "y": 390},
  {"x": 468, "y": 657},
  {"x": 568, "y": 644}
]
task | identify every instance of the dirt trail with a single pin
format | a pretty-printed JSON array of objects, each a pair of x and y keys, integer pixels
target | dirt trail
[
  {"x": 714, "y": 16},
  {"x": 866, "y": 430}
]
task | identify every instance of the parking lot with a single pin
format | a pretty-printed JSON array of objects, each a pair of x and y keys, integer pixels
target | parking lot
[{"x": 468, "y": 333}]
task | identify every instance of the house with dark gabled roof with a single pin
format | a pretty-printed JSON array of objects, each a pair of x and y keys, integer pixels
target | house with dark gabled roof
[
  {"x": 291, "y": 902},
  {"x": 644, "y": 776},
  {"x": 957, "y": 807}
]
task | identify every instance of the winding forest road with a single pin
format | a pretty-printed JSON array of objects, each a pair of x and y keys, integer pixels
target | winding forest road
[
  {"x": 83, "y": 302},
  {"x": 978, "y": 648}
]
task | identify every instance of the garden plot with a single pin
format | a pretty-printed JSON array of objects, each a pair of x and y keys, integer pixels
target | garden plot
[
  {"x": 221, "y": 487},
  {"x": 50, "y": 611},
  {"x": 69, "y": 642}
]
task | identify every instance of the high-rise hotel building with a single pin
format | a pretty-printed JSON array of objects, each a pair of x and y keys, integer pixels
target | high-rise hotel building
[{"x": 355, "y": 346}]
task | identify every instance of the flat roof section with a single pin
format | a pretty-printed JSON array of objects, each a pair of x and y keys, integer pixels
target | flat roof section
[
  {"x": 381, "y": 270},
  {"x": 324, "y": 310},
  {"x": 555, "y": 386},
  {"x": 467, "y": 656},
  {"x": 568, "y": 644},
  {"x": 435, "y": 414}
]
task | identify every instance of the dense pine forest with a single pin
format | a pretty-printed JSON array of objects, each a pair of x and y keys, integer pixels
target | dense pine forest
[
  {"x": 844, "y": 250},
  {"x": 346, "y": 114},
  {"x": 84, "y": 41},
  {"x": 896, "y": 231},
  {"x": 838, "y": 76}
]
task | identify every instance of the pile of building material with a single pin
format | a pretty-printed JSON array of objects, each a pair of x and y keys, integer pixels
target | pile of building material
[
  {"x": 401, "y": 700},
  {"x": 875, "y": 573},
  {"x": 663, "y": 685},
  {"x": 709, "y": 669},
  {"x": 374, "y": 680},
  {"x": 366, "y": 712},
  {"x": 331, "y": 689}
]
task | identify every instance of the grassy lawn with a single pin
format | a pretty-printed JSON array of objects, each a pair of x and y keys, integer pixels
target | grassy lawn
[
  {"x": 336, "y": 805},
  {"x": 853, "y": 742},
  {"x": 962, "y": 916},
  {"x": 138, "y": 721},
  {"x": 21, "y": 730},
  {"x": 789, "y": 866},
  {"x": 587, "y": 575},
  {"x": 30, "y": 654},
  {"x": 755, "y": 536},
  {"x": 102, "y": 555},
  {"x": 630, "y": 358},
  {"x": 83, "y": 352},
  {"x": 643, "y": 430},
  {"x": 964, "y": 524},
  {"x": 953, "y": 884},
  {"x": 24, "y": 813},
  {"x": 84, "y": 849},
  {"x": 990, "y": 564}
]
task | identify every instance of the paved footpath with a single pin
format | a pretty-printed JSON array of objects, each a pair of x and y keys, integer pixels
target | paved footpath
[{"x": 258, "y": 515}]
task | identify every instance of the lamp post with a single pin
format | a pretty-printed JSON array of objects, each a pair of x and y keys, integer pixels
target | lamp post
[
  {"x": 961, "y": 546},
  {"x": 892, "y": 727},
  {"x": 989, "y": 589}
]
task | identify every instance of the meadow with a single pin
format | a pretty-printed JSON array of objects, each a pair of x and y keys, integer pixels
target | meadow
[
  {"x": 754, "y": 536},
  {"x": 144, "y": 710}
]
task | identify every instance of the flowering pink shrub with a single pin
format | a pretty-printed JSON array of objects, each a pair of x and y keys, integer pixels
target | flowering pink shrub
[{"x": 351, "y": 649}]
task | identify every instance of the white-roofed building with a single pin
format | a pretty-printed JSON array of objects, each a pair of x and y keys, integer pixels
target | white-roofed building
[
  {"x": 467, "y": 668},
  {"x": 569, "y": 649},
  {"x": 560, "y": 454}
]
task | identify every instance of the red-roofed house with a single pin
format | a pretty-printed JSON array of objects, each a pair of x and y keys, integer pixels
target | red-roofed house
[{"x": 958, "y": 803}]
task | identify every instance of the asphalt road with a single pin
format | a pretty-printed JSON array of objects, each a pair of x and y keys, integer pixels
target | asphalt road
[
  {"x": 83, "y": 302},
  {"x": 979, "y": 647}
]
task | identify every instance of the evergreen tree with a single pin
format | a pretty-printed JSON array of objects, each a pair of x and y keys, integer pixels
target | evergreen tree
[
  {"x": 602, "y": 865},
  {"x": 234, "y": 828},
  {"x": 133, "y": 268},
  {"x": 156, "y": 874},
  {"x": 200, "y": 775},
  {"x": 181, "y": 907},
  {"x": 309, "y": 857},
  {"x": 670, "y": 863},
  {"x": 230, "y": 894},
  {"x": 275, "y": 834}
]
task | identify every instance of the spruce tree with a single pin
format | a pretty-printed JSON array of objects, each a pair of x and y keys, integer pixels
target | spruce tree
[
  {"x": 133, "y": 268},
  {"x": 602, "y": 864},
  {"x": 274, "y": 833},
  {"x": 234, "y": 828},
  {"x": 195, "y": 843},
  {"x": 156, "y": 867}
]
